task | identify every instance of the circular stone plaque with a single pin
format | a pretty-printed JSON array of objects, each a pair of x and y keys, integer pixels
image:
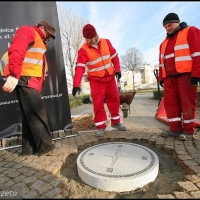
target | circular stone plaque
[{"x": 117, "y": 166}]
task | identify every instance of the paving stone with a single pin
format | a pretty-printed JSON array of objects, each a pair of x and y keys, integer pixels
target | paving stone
[
  {"x": 26, "y": 162},
  {"x": 3, "y": 163},
  {"x": 168, "y": 149},
  {"x": 30, "y": 195},
  {"x": 7, "y": 185},
  {"x": 5, "y": 142},
  {"x": 184, "y": 157},
  {"x": 48, "y": 178},
  {"x": 152, "y": 139},
  {"x": 13, "y": 141},
  {"x": 18, "y": 188},
  {"x": 165, "y": 196},
  {"x": 194, "y": 169},
  {"x": 198, "y": 184},
  {"x": 45, "y": 188},
  {"x": 52, "y": 169},
  {"x": 191, "y": 149},
  {"x": 198, "y": 160},
  {"x": 4, "y": 179},
  {"x": 195, "y": 194},
  {"x": 160, "y": 142},
  {"x": 9, "y": 171},
  {"x": 13, "y": 174},
  {"x": 53, "y": 193},
  {"x": 30, "y": 180},
  {"x": 55, "y": 134},
  {"x": 187, "y": 186},
  {"x": 37, "y": 184},
  {"x": 25, "y": 190},
  {"x": 79, "y": 141},
  {"x": 61, "y": 134},
  {"x": 85, "y": 139},
  {"x": 30, "y": 172},
  {"x": 181, "y": 195},
  {"x": 17, "y": 166},
  {"x": 23, "y": 170},
  {"x": 40, "y": 174},
  {"x": 190, "y": 163},
  {"x": 19, "y": 178},
  {"x": 21, "y": 158},
  {"x": 181, "y": 152},
  {"x": 57, "y": 182},
  {"x": 192, "y": 178}
]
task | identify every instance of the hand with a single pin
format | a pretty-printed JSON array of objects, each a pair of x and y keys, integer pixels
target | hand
[
  {"x": 10, "y": 84},
  {"x": 118, "y": 75},
  {"x": 162, "y": 83},
  {"x": 194, "y": 81},
  {"x": 75, "y": 90}
]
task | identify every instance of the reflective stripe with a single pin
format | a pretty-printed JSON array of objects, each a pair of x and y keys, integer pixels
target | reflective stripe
[
  {"x": 114, "y": 118},
  {"x": 39, "y": 50},
  {"x": 161, "y": 65},
  {"x": 98, "y": 60},
  {"x": 80, "y": 65},
  {"x": 182, "y": 46},
  {"x": 99, "y": 68},
  {"x": 195, "y": 54},
  {"x": 113, "y": 55},
  {"x": 182, "y": 58},
  {"x": 162, "y": 55},
  {"x": 169, "y": 56},
  {"x": 33, "y": 61},
  {"x": 188, "y": 121},
  {"x": 174, "y": 119},
  {"x": 100, "y": 123}
]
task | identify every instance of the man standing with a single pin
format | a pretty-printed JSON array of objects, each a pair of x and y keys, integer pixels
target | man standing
[
  {"x": 179, "y": 73},
  {"x": 25, "y": 73},
  {"x": 99, "y": 58}
]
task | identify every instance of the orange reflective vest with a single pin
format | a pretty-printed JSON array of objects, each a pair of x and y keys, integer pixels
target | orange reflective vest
[
  {"x": 33, "y": 62},
  {"x": 98, "y": 61},
  {"x": 182, "y": 56}
]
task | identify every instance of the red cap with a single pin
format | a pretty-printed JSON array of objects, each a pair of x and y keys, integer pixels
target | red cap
[{"x": 89, "y": 31}]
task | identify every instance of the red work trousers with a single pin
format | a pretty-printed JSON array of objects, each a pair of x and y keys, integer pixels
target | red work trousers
[
  {"x": 180, "y": 98},
  {"x": 100, "y": 90}
]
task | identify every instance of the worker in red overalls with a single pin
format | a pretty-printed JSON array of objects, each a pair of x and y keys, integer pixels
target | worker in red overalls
[
  {"x": 99, "y": 58},
  {"x": 179, "y": 73},
  {"x": 25, "y": 73}
]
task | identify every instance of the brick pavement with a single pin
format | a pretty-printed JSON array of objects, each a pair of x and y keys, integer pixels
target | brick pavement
[{"x": 39, "y": 177}]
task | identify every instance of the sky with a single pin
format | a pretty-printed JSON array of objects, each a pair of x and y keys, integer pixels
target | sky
[{"x": 136, "y": 24}]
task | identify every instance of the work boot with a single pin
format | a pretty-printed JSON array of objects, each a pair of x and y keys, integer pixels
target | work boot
[
  {"x": 169, "y": 133},
  {"x": 119, "y": 127},
  {"x": 186, "y": 136},
  {"x": 100, "y": 132}
]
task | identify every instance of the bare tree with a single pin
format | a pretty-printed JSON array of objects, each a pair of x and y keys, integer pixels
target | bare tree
[
  {"x": 132, "y": 60},
  {"x": 71, "y": 33}
]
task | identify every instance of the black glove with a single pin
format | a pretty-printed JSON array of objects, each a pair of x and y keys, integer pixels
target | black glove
[
  {"x": 162, "y": 83},
  {"x": 118, "y": 75},
  {"x": 194, "y": 81},
  {"x": 75, "y": 90}
]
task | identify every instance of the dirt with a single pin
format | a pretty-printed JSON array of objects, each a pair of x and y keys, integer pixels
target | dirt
[
  {"x": 84, "y": 122},
  {"x": 165, "y": 183}
]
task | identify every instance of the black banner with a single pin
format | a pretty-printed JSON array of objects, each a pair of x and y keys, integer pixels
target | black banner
[{"x": 54, "y": 93}]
